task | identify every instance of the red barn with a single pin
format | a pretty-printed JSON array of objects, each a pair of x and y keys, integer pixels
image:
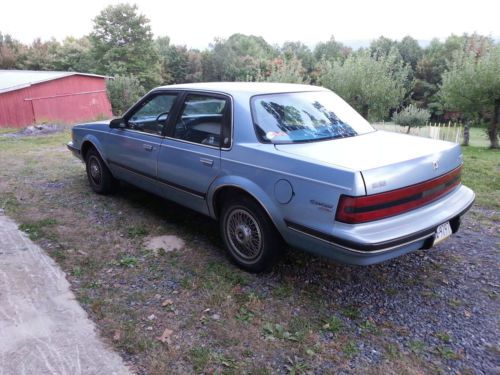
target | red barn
[{"x": 28, "y": 97}]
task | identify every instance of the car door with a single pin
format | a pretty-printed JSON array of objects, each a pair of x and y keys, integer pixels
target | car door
[
  {"x": 189, "y": 157},
  {"x": 133, "y": 150}
]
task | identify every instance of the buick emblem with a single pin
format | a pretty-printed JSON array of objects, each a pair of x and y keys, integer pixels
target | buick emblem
[{"x": 435, "y": 165}]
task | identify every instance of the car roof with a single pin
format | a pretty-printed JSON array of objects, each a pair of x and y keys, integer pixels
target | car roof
[{"x": 247, "y": 88}]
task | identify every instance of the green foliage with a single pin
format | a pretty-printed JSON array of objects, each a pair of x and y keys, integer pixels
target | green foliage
[
  {"x": 37, "y": 229},
  {"x": 472, "y": 86},
  {"x": 128, "y": 261},
  {"x": 411, "y": 116},
  {"x": 174, "y": 61},
  {"x": 333, "y": 324},
  {"x": 436, "y": 59},
  {"x": 277, "y": 331},
  {"x": 481, "y": 173},
  {"x": 42, "y": 55},
  {"x": 74, "y": 55},
  {"x": 239, "y": 58},
  {"x": 287, "y": 71},
  {"x": 123, "y": 91},
  {"x": 11, "y": 52},
  {"x": 122, "y": 44},
  {"x": 382, "y": 46},
  {"x": 301, "y": 52},
  {"x": 410, "y": 51},
  {"x": 331, "y": 50},
  {"x": 372, "y": 85},
  {"x": 389, "y": 74}
]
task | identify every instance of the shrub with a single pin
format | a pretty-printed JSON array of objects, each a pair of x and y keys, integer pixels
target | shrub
[
  {"x": 286, "y": 71},
  {"x": 411, "y": 116},
  {"x": 123, "y": 91}
]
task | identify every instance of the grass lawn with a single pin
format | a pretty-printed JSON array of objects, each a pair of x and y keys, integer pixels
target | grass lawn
[
  {"x": 224, "y": 320},
  {"x": 482, "y": 174}
]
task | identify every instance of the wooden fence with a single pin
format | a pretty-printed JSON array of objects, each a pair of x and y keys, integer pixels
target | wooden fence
[{"x": 451, "y": 131}]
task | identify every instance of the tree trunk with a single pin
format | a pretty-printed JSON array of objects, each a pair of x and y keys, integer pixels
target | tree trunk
[
  {"x": 493, "y": 129},
  {"x": 466, "y": 133},
  {"x": 408, "y": 131},
  {"x": 364, "y": 111}
]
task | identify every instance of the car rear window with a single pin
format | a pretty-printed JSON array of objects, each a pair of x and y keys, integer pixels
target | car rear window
[{"x": 305, "y": 117}]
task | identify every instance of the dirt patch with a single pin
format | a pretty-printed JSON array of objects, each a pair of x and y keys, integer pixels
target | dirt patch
[
  {"x": 164, "y": 243},
  {"x": 36, "y": 130}
]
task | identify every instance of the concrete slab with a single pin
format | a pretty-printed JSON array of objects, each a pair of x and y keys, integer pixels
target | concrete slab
[{"x": 43, "y": 329}]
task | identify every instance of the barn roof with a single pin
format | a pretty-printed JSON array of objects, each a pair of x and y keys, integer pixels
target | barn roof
[{"x": 11, "y": 80}]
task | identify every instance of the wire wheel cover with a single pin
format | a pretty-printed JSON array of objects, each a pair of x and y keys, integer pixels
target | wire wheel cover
[{"x": 244, "y": 234}]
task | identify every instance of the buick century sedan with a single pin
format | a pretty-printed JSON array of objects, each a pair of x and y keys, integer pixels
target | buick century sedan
[{"x": 281, "y": 164}]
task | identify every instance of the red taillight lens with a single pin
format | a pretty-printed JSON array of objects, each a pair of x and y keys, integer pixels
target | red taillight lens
[{"x": 353, "y": 210}]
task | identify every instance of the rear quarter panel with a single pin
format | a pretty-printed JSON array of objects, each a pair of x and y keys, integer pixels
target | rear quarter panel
[{"x": 315, "y": 188}]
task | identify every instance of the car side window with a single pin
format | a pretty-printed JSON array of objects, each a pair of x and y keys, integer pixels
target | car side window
[
  {"x": 152, "y": 115},
  {"x": 202, "y": 119}
]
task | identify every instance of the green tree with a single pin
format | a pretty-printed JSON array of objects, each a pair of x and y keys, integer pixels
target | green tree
[
  {"x": 411, "y": 116},
  {"x": 122, "y": 44},
  {"x": 472, "y": 86},
  {"x": 123, "y": 91},
  {"x": 194, "y": 66},
  {"x": 239, "y": 58},
  {"x": 436, "y": 59},
  {"x": 299, "y": 51},
  {"x": 74, "y": 55},
  {"x": 372, "y": 85},
  {"x": 331, "y": 50},
  {"x": 174, "y": 61},
  {"x": 287, "y": 71},
  {"x": 12, "y": 52},
  {"x": 410, "y": 51},
  {"x": 382, "y": 46},
  {"x": 42, "y": 55}
]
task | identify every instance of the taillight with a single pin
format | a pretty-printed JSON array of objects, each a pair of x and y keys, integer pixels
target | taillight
[{"x": 353, "y": 210}]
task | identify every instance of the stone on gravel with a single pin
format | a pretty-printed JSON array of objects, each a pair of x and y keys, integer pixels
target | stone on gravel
[{"x": 167, "y": 243}]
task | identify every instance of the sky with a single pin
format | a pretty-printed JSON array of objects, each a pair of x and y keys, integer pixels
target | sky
[{"x": 195, "y": 23}]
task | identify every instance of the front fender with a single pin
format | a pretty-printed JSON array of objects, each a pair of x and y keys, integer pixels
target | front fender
[
  {"x": 98, "y": 146},
  {"x": 251, "y": 188}
]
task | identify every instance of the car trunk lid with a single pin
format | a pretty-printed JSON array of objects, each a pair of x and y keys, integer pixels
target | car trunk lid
[{"x": 386, "y": 160}]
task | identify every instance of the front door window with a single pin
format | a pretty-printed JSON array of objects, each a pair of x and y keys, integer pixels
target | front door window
[{"x": 152, "y": 115}]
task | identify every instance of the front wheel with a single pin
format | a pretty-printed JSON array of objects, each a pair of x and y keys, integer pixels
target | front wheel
[
  {"x": 100, "y": 178},
  {"x": 249, "y": 235}
]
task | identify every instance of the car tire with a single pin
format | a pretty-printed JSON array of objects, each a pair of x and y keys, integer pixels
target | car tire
[
  {"x": 249, "y": 235},
  {"x": 100, "y": 178}
]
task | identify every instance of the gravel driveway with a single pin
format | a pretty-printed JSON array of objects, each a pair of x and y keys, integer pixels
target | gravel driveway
[{"x": 441, "y": 304}]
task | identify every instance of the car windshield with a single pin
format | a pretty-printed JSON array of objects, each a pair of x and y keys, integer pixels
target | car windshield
[{"x": 305, "y": 117}]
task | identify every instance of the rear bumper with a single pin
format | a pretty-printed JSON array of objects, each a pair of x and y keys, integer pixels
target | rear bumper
[
  {"x": 76, "y": 152},
  {"x": 371, "y": 243}
]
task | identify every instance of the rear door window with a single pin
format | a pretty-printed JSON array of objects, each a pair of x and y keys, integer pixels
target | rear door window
[{"x": 202, "y": 120}]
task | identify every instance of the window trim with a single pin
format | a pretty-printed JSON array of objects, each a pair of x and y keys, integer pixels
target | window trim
[
  {"x": 178, "y": 112},
  {"x": 254, "y": 123},
  {"x": 146, "y": 98}
]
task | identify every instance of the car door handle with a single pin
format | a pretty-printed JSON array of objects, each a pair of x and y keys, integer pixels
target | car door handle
[
  {"x": 207, "y": 162},
  {"x": 147, "y": 147}
]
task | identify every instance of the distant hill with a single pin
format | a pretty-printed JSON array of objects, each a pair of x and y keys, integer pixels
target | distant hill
[{"x": 356, "y": 44}]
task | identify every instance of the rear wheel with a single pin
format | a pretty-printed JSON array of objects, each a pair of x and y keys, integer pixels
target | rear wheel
[
  {"x": 100, "y": 178},
  {"x": 249, "y": 235}
]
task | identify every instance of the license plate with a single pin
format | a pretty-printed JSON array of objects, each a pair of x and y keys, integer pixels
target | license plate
[{"x": 442, "y": 233}]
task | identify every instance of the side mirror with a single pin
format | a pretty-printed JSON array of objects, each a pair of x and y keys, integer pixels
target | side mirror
[{"x": 117, "y": 123}]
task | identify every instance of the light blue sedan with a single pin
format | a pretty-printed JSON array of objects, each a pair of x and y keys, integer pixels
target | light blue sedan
[{"x": 281, "y": 164}]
